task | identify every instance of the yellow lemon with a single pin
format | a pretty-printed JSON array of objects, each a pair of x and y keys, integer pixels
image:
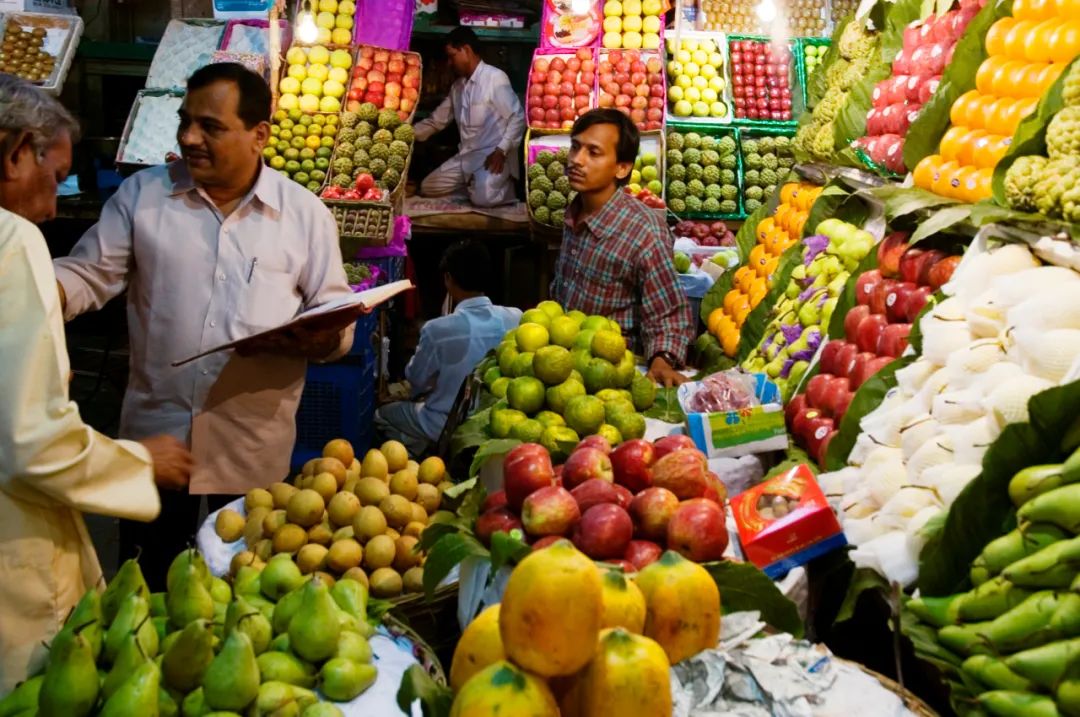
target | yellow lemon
[
  {"x": 311, "y": 86},
  {"x": 340, "y": 36},
  {"x": 338, "y": 74},
  {"x": 296, "y": 56},
  {"x": 309, "y": 103},
  {"x": 297, "y": 71},
  {"x": 325, "y": 19},
  {"x": 328, "y": 6},
  {"x": 329, "y": 104},
  {"x": 318, "y": 55},
  {"x": 324, "y": 35},
  {"x": 344, "y": 21},
  {"x": 341, "y": 58},
  {"x": 318, "y": 70},
  {"x": 288, "y": 102},
  {"x": 289, "y": 85}
]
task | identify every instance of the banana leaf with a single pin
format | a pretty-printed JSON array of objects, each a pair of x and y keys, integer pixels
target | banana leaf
[
  {"x": 924, "y": 134},
  {"x": 1030, "y": 136},
  {"x": 983, "y": 510},
  {"x": 666, "y": 407},
  {"x": 941, "y": 219},
  {"x": 710, "y": 357},
  {"x": 744, "y": 587},
  {"x": 987, "y": 212},
  {"x": 753, "y": 329},
  {"x": 867, "y": 397},
  {"x": 901, "y": 201}
]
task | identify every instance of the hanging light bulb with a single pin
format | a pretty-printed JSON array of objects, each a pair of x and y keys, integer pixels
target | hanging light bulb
[
  {"x": 306, "y": 29},
  {"x": 766, "y": 10}
]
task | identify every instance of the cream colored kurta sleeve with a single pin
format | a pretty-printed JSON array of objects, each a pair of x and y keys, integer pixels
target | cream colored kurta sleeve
[{"x": 45, "y": 448}]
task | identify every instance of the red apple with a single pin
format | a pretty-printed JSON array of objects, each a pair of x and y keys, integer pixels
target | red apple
[
  {"x": 632, "y": 464},
  {"x": 815, "y": 390},
  {"x": 917, "y": 301},
  {"x": 926, "y": 263},
  {"x": 652, "y": 508},
  {"x": 817, "y": 430},
  {"x": 596, "y": 442},
  {"x": 795, "y": 406},
  {"x": 495, "y": 500},
  {"x": 526, "y": 468},
  {"x": 697, "y": 530},
  {"x": 683, "y": 472},
  {"x": 594, "y": 492},
  {"x": 845, "y": 357},
  {"x": 909, "y": 264},
  {"x": 623, "y": 497},
  {"x": 834, "y": 392},
  {"x": 494, "y": 521},
  {"x": 586, "y": 464},
  {"x": 823, "y": 449},
  {"x": 604, "y": 532},
  {"x": 672, "y": 443},
  {"x": 853, "y": 318},
  {"x": 880, "y": 294},
  {"x": 802, "y": 420},
  {"x": 715, "y": 490},
  {"x": 549, "y": 511},
  {"x": 897, "y": 299},
  {"x": 889, "y": 252},
  {"x": 641, "y": 553},
  {"x": 864, "y": 286},
  {"x": 894, "y": 339},
  {"x": 827, "y": 361},
  {"x": 869, "y": 332},
  {"x": 942, "y": 271},
  {"x": 546, "y": 541},
  {"x": 840, "y": 407}
]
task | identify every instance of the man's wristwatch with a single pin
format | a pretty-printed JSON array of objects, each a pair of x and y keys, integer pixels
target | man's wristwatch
[{"x": 667, "y": 356}]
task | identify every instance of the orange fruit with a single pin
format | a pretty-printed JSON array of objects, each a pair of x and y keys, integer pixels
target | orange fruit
[
  {"x": 962, "y": 111},
  {"x": 1007, "y": 77},
  {"x": 714, "y": 321},
  {"x": 744, "y": 277},
  {"x": 967, "y": 146},
  {"x": 1047, "y": 77},
  {"x": 758, "y": 293},
  {"x": 1016, "y": 39},
  {"x": 798, "y": 223},
  {"x": 965, "y": 183},
  {"x": 924, "y": 170},
  {"x": 741, "y": 314},
  {"x": 942, "y": 180},
  {"x": 1068, "y": 8},
  {"x": 1033, "y": 9},
  {"x": 995, "y": 36},
  {"x": 787, "y": 191},
  {"x": 766, "y": 270},
  {"x": 783, "y": 211},
  {"x": 982, "y": 153},
  {"x": 988, "y": 69},
  {"x": 740, "y": 304},
  {"x": 1038, "y": 40},
  {"x": 763, "y": 228},
  {"x": 984, "y": 180},
  {"x": 952, "y": 142},
  {"x": 1065, "y": 41},
  {"x": 729, "y": 341},
  {"x": 757, "y": 255},
  {"x": 729, "y": 301},
  {"x": 998, "y": 116}
]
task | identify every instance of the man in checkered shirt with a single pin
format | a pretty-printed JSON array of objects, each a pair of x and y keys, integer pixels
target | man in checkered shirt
[{"x": 616, "y": 256}]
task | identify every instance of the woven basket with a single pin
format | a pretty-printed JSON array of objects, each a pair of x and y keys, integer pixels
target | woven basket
[
  {"x": 361, "y": 224},
  {"x": 435, "y": 621},
  {"x": 913, "y": 703},
  {"x": 421, "y": 649}
]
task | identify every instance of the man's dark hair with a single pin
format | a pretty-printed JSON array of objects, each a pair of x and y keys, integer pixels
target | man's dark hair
[
  {"x": 459, "y": 37},
  {"x": 468, "y": 263},
  {"x": 626, "y": 148},
  {"x": 254, "y": 93}
]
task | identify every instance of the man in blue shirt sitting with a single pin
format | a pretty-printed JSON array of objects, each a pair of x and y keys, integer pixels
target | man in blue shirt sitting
[{"x": 449, "y": 349}]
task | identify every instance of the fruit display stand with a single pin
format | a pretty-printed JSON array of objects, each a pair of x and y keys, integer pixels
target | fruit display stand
[
  {"x": 692, "y": 55},
  {"x": 561, "y": 87}
]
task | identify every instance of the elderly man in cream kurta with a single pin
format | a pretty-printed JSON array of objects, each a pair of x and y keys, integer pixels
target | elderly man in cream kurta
[{"x": 53, "y": 467}]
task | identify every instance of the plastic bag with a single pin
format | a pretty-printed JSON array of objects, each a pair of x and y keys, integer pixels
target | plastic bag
[{"x": 724, "y": 391}]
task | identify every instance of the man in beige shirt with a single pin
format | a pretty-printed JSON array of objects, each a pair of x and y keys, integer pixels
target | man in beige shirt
[
  {"x": 53, "y": 466},
  {"x": 212, "y": 248}
]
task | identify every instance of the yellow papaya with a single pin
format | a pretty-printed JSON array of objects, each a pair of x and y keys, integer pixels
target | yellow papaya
[
  {"x": 551, "y": 610},
  {"x": 624, "y": 605},
  {"x": 480, "y": 645},
  {"x": 627, "y": 677},
  {"x": 503, "y": 689},
  {"x": 682, "y": 606}
]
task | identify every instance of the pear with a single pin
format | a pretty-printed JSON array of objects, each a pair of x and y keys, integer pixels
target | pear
[
  {"x": 353, "y": 646},
  {"x": 138, "y": 695},
  {"x": 323, "y": 709},
  {"x": 232, "y": 680},
  {"x": 180, "y": 564},
  {"x": 168, "y": 705},
  {"x": 70, "y": 686},
  {"x": 130, "y": 657},
  {"x": 87, "y": 618},
  {"x": 220, "y": 591},
  {"x": 342, "y": 680},
  {"x": 279, "y": 698},
  {"x": 188, "y": 657},
  {"x": 23, "y": 698},
  {"x": 351, "y": 597},
  {"x": 280, "y": 576},
  {"x": 313, "y": 630},
  {"x": 129, "y": 579},
  {"x": 242, "y": 616},
  {"x": 132, "y": 617},
  {"x": 287, "y": 668},
  {"x": 262, "y": 605},
  {"x": 285, "y": 609},
  {"x": 246, "y": 581},
  {"x": 188, "y": 599},
  {"x": 194, "y": 704}
]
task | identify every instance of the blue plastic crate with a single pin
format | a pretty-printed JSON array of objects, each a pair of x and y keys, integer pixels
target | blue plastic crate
[
  {"x": 338, "y": 402},
  {"x": 366, "y": 327},
  {"x": 392, "y": 268}
]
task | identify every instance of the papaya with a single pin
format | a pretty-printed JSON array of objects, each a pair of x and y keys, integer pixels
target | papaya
[
  {"x": 682, "y": 606},
  {"x": 504, "y": 689},
  {"x": 480, "y": 645},
  {"x": 624, "y": 605},
  {"x": 551, "y": 611},
  {"x": 628, "y": 677}
]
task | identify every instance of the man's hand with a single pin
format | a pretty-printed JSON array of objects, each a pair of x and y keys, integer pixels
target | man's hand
[
  {"x": 664, "y": 374},
  {"x": 495, "y": 161},
  {"x": 172, "y": 462}
]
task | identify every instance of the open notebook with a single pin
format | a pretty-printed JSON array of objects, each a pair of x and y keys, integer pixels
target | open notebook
[{"x": 336, "y": 314}]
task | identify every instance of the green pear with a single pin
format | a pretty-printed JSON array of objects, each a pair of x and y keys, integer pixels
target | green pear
[
  {"x": 133, "y": 617},
  {"x": 180, "y": 564},
  {"x": 70, "y": 686},
  {"x": 351, "y": 596},
  {"x": 220, "y": 590},
  {"x": 241, "y": 615},
  {"x": 161, "y": 627},
  {"x": 194, "y": 704},
  {"x": 138, "y": 695},
  {"x": 280, "y": 643},
  {"x": 87, "y": 615},
  {"x": 188, "y": 657},
  {"x": 247, "y": 580},
  {"x": 129, "y": 579},
  {"x": 232, "y": 680},
  {"x": 188, "y": 599},
  {"x": 342, "y": 680},
  {"x": 796, "y": 372},
  {"x": 23, "y": 698},
  {"x": 129, "y": 659},
  {"x": 278, "y": 699},
  {"x": 168, "y": 705},
  {"x": 261, "y": 604},
  {"x": 286, "y": 667},
  {"x": 285, "y": 609},
  {"x": 353, "y": 646},
  {"x": 323, "y": 709},
  {"x": 280, "y": 576},
  {"x": 314, "y": 629},
  {"x": 157, "y": 605}
]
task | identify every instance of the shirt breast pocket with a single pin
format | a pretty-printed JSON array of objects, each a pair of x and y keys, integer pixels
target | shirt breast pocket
[{"x": 270, "y": 295}]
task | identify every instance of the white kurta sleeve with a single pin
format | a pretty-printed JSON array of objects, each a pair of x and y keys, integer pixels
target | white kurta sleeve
[
  {"x": 439, "y": 120},
  {"x": 45, "y": 448},
  {"x": 511, "y": 115}
]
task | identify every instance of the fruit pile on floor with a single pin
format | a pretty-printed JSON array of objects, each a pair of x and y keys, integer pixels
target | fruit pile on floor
[
  {"x": 1016, "y": 634},
  {"x": 560, "y": 377},
  {"x": 342, "y": 517},
  {"x": 569, "y": 638},
  {"x": 205, "y": 647},
  {"x": 624, "y": 506}
]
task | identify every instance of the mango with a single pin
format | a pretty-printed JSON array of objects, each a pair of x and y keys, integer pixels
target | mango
[
  {"x": 504, "y": 689},
  {"x": 480, "y": 645},
  {"x": 682, "y": 606}
]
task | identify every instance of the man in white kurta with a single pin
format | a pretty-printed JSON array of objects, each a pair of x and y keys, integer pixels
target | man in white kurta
[
  {"x": 53, "y": 466},
  {"x": 490, "y": 121}
]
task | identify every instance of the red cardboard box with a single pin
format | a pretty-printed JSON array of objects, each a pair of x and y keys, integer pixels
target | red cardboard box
[{"x": 786, "y": 522}]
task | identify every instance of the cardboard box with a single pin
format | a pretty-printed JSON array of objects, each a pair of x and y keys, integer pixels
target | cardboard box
[
  {"x": 786, "y": 522},
  {"x": 53, "y": 7},
  {"x": 742, "y": 432}
]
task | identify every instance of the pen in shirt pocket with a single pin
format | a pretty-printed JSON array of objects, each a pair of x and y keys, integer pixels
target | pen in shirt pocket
[{"x": 251, "y": 270}]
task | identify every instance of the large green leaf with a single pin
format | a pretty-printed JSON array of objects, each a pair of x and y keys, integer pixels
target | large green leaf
[
  {"x": 710, "y": 356},
  {"x": 417, "y": 684},
  {"x": 862, "y": 579},
  {"x": 1030, "y": 136},
  {"x": 925, "y": 132},
  {"x": 493, "y": 447},
  {"x": 507, "y": 549},
  {"x": 744, "y": 587},
  {"x": 666, "y": 408},
  {"x": 448, "y": 551},
  {"x": 983, "y": 511},
  {"x": 940, "y": 220},
  {"x": 867, "y": 398},
  {"x": 900, "y": 201},
  {"x": 987, "y": 212},
  {"x": 472, "y": 433}
]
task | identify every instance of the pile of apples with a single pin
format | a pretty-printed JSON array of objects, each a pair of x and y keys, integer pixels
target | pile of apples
[
  {"x": 632, "y": 24},
  {"x": 705, "y": 233},
  {"x": 633, "y": 83},
  {"x": 928, "y": 48},
  {"x": 388, "y": 79},
  {"x": 561, "y": 88},
  {"x": 696, "y": 71},
  {"x": 876, "y": 330},
  {"x": 624, "y": 506},
  {"x": 760, "y": 80}
]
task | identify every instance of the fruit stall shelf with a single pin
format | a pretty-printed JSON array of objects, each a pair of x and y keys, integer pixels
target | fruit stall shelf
[
  {"x": 723, "y": 72},
  {"x": 747, "y": 133},
  {"x": 796, "y": 84},
  {"x": 536, "y": 125},
  {"x": 646, "y": 56},
  {"x": 712, "y": 129}
]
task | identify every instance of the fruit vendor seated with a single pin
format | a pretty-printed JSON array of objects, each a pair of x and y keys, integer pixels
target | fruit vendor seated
[
  {"x": 491, "y": 123},
  {"x": 615, "y": 259},
  {"x": 449, "y": 349}
]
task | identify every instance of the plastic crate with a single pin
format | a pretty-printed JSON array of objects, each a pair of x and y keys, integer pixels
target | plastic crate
[
  {"x": 338, "y": 402},
  {"x": 366, "y": 327},
  {"x": 391, "y": 268},
  {"x": 716, "y": 130}
]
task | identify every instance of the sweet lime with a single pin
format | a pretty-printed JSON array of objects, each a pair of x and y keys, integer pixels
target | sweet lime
[
  {"x": 611, "y": 433},
  {"x": 599, "y": 374},
  {"x": 563, "y": 331},
  {"x": 584, "y": 414},
  {"x": 584, "y": 339},
  {"x": 607, "y": 344},
  {"x": 608, "y": 394},
  {"x": 613, "y": 325},
  {"x": 511, "y": 336},
  {"x": 576, "y": 375},
  {"x": 558, "y": 396},
  {"x": 506, "y": 353},
  {"x": 578, "y": 316},
  {"x": 498, "y": 387},
  {"x": 535, "y": 316},
  {"x": 643, "y": 392},
  {"x": 581, "y": 359},
  {"x": 625, "y": 370},
  {"x": 559, "y": 441},
  {"x": 550, "y": 418},
  {"x": 630, "y": 425},
  {"x": 531, "y": 336},
  {"x": 503, "y": 421},
  {"x": 552, "y": 364},
  {"x": 525, "y": 393},
  {"x": 491, "y": 375},
  {"x": 551, "y": 308},
  {"x": 527, "y": 431},
  {"x": 594, "y": 323},
  {"x": 617, "y": 407},
  {"x": 523, "y": 364}
]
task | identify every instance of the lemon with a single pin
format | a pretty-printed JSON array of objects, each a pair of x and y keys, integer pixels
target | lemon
[
  {"x": 296, "y": 56},
  {"x": 526, "y": 394},
  {"x": 288, "y": 101},
  {"x": 343, "y": 22},
  {"x": 318, "y": 55},
  {"x": 550, "y": 418},
  {"x": 559, "y": 441},
  {"x": 340, "y": 36},
  {"x": 329, "y": 104},
  {"x": 324, "y": 36},
  {"x": 607, "y": 344},
  {"x": 309, "y": 103},
  {"x": 527, "y": 431},
  {"x": 328, "y": 6},
  {"x": 625, "y": 370},
  {"x": 503, "y": 420},
  {"x": 325, "y": 19},
  {"x": 551, "y": 308},
  {"x": 559, "y": 396},
  {"x": 581, "y": 359},
  {"x": 318, "y": 70},
  {"x": 643, "y": 392},
  {"x": 297, "y": 71},
  {"x": 611, "y": 433},
  {"x": 531, "y": 336},
  {"x": 333, "y": 88},
  {"x": 339, "y": 74},
  {"x": 584, "y": 414},
  {"x": 506, "y": 355},
  {"x": 498, "y": 386},
  {"x": 552, "y": 364},
  {"x": 563, "y": 331},
  {"x": 578, "y": 316},
  {"x": 536, "y": 316},
  {"x": 630, "y": 425},
  {"x": 311, "y": 86},
  {"x": 491, "y": 375},
  {"x": 594, "y": 323},
  {"x": 313, "y": 142},
  {"x": 617, "y": 407},
  {"x": 346, "y": 7},
  {"x": 583, "y": 340},
  {"x": 523, "y": 364},
  {"x": 599, "y": 374}
]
